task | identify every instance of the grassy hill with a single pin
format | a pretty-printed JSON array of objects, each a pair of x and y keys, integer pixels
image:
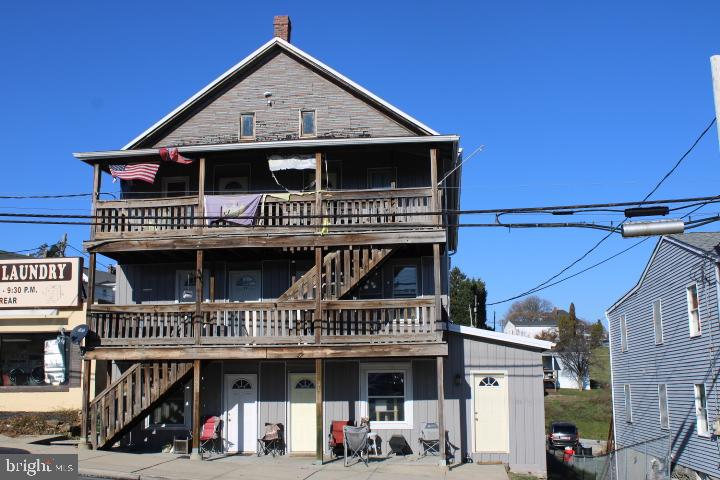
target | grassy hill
[{"x": 589, "y": 410}]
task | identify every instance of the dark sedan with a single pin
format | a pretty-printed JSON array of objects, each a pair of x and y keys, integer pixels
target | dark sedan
[{"x": 563, "y": 434}]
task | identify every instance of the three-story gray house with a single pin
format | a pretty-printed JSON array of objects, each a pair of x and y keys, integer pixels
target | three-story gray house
[
  {"x": 664, "y": 339},
  {"x": 283, "y": 255}
]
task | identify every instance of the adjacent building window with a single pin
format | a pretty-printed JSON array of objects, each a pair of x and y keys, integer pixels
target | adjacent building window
[
  {"x": 663, "y": 405},
  {"x": 657, "y": 321},
  {"x": 405, "y": 281},
  {"x": 623, "y": 334},
  {"x": 33, "y": 360},
  {"x": 693, "y": 303},
  {"x": 307, "y": 123},
  {"x": 387, "y": 391},
  {"x": 701, "y": 410},
  {"x": 628, "y": 403},
  {"x": 247, "y": 126}
]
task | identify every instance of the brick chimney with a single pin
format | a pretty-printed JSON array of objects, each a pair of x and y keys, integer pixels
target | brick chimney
[{"x": 282, "y": 27}]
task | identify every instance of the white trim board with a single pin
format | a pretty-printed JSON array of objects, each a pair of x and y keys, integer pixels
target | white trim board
[{"x": 500, "y": 337}]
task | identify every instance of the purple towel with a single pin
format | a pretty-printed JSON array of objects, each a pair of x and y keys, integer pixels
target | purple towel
[{"x": 239, "y": 209}]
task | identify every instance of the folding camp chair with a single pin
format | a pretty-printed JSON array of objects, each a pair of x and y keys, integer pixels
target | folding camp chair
[
  {"x": 336, "y": 440},
  {"x": 209, "y": 435},
  {"x": 272, "y": 442},
  {"x": 430, "y": 439},
  {"x": 356, "y": 444}
]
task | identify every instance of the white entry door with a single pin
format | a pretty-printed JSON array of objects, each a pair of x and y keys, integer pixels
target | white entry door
[
  {"x": 302, "y": 412},
  {"x": 241, "y": 412},
  {"x": 245, "y": 285},
  {"x": 491, "y": 413}
]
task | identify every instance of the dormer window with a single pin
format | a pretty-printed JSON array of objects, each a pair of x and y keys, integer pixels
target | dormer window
[
  {"x": 247, "y": 126},
  {"x": 307, "y": 123}
]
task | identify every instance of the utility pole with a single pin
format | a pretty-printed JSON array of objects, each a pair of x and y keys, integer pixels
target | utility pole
[
  {"x": 493, "y": 320},
  {"x": 715, "y": 67}
]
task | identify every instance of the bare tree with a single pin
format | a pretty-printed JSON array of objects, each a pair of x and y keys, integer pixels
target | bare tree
[{"x": 530, "y": 309}]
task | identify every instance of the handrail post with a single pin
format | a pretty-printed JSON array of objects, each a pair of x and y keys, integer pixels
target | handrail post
[{"x": 198, "y": 317}]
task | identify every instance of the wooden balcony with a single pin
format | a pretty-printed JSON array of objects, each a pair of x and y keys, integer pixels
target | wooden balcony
[
  {"x": 265, "y": 323},
  {"x": 341, "y": 211}
]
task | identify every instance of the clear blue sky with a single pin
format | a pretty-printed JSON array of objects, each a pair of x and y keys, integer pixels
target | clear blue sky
[{"x": 575, "y": 102}]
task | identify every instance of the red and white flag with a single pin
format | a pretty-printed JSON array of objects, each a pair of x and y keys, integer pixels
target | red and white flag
[
  {"x": 172, "y": 155},
  {"x": 138, "y": 171}
]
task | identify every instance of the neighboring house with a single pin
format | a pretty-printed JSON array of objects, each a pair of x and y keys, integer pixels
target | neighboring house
[
  {"x": 555, "y": 376},
  {"x": 40, "y": 369},
  {"x": 104, "y": 285},
  {"x": 296, "y": 267},
  {"x": 664, "y": 339}
]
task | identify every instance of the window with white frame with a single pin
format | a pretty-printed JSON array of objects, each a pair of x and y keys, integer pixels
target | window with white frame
[
  {"x": 663, "y": 405},
  {"x": 693, "y": 303},
  {"x": 701, "y": 410},
  {"x": 175, "y": 186},
  {"x": 628, "y": 403},
  {"x": 386, "y": 391},
  {"x": 307, "y": 123},
  {"x": 247, "y": 126},
  {"x": 623, "y": 334},
  {"x": 657, "y": 321}
]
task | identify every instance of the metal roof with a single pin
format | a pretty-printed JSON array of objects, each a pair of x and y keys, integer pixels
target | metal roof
[{"x": 500, "y": 337}]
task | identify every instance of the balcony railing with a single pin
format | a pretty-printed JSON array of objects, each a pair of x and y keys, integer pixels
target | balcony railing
[
  {"x": 347, "y": 210},
  {"x": 255, "y": 323}
]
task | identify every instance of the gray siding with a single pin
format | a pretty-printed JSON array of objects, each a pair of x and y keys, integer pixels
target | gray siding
[
  {"x": 680, "y": 361},
  {"x": 526, "y": 400},
  {"x": 294, "y": 87}
]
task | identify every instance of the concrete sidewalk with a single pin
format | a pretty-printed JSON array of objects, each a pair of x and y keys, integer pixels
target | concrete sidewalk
[{"x": 156, "y": 466}]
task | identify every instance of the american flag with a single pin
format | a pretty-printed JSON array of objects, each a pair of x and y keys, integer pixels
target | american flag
[
  {"x": 138, "y": 171},
  {"x": 172, "y": 155}
]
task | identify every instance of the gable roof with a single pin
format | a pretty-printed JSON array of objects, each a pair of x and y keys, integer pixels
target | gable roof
[
  {"x": 700, "y": 243},
  {"x": 516, "y": 340},
  {"x": 267, "y": 48}
]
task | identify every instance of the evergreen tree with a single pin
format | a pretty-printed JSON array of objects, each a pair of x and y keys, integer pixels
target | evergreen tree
[{"x": 467, "y": 300}]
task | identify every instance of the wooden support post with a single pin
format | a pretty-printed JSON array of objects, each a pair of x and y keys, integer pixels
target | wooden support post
[
  {"x": 438, "y": 286},
  {"x": 97, "y": 181},
  {"x": 200, "y": 212},
  {"x": 437, "y": 219},
  {"x": 198, "y": 318},
  {"x": 318, "y": 188},
  {"x": 318, "y": 294},
  {"x": 441, "y": 410},
  {"x": 86, "y": 370},
  {"x": 319, "y": 414},
  {"x": 196, "y": 412}
]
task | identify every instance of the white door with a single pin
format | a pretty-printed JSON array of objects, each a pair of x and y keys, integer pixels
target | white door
[
  {"x": 241, "y": 412},
  {"x": 245, "y": 285},
  {"x": 491, "y": 413},
  {"x": 302, "y": 412}
]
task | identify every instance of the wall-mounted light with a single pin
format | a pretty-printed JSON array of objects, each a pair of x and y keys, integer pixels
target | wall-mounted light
[{"x": 268, "y": 95}]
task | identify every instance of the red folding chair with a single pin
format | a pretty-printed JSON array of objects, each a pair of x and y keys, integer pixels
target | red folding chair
[
  {"x": 336, "y": 439},
  {"x": 209, "y": 434}
]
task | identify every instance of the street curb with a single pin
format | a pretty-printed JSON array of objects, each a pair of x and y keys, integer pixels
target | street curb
[{"x": 92, "y": 472}]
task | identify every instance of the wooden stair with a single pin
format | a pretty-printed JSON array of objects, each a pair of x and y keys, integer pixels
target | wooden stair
[
  {"x": 118, "y": 408},
  {"x": 342, "y": 270}
]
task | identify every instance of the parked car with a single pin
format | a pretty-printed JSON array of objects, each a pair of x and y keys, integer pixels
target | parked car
[{"x": 563, "y": 434}]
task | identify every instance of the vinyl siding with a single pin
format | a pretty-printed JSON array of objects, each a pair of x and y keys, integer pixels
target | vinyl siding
[
  {"x": 294, "y": 87},
  {"x": 680, "y": 361}
]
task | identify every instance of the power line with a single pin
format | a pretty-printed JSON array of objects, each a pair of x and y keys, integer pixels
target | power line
[{"x": 544, "y": 284}]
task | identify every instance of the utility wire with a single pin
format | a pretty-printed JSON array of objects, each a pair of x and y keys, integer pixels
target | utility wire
[{"x": 545, "y": 285}]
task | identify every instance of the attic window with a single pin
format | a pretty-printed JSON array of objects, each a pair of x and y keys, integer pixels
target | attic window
[
  {"x": 247, "y": 126},
  {"x": 307, "y": 123}
]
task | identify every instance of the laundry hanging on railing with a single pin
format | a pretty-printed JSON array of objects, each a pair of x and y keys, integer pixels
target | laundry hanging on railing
[
  {"x": 172, "y": 155},
  {"x": 291, "y": 162},
  {"x": 238, "y": 209}
]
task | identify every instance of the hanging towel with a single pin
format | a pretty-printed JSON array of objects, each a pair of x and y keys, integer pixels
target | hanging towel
[
  {"x": 238, "y": 209},
  {"x": 291, "y": 162},
  {"x": 172, "y": 155}
]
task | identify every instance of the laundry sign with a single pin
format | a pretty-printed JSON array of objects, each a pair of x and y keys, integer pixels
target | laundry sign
[{"x": 44, "y": 282}]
